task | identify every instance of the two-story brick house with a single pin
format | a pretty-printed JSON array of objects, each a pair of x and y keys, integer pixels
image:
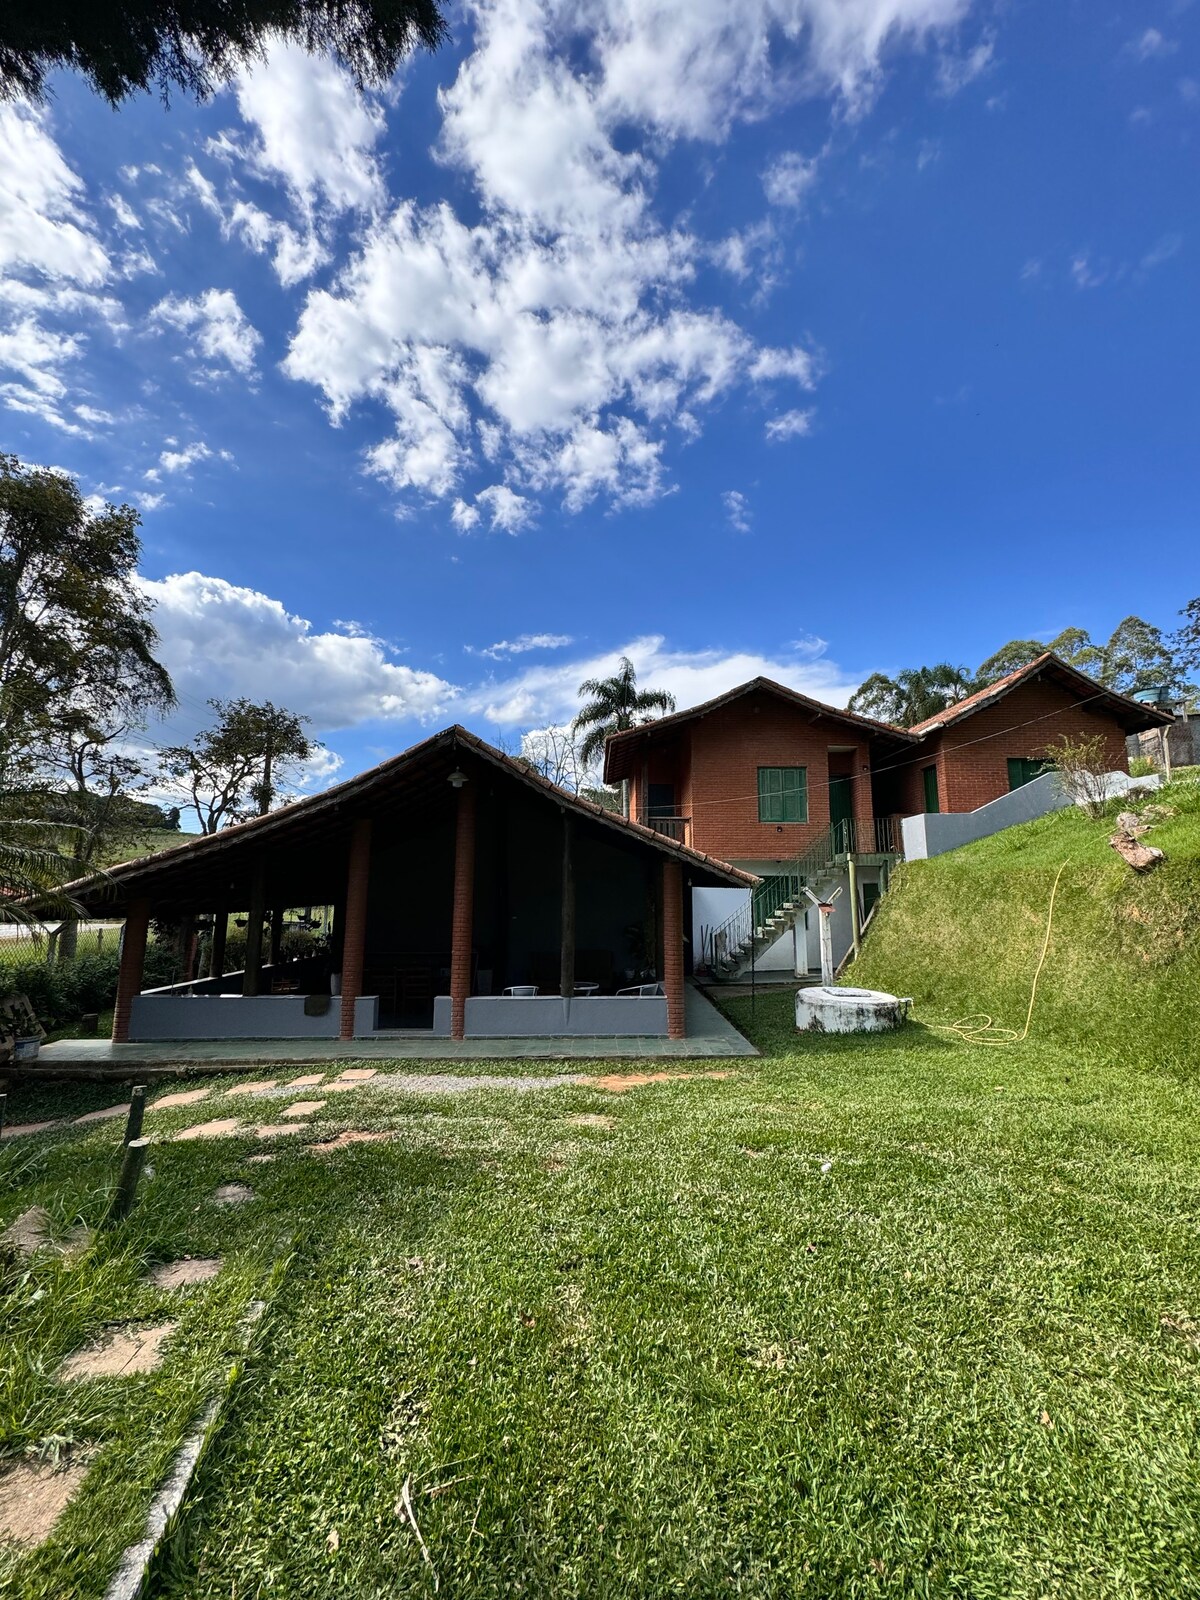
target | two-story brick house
[{"x": 783, "y": 786}]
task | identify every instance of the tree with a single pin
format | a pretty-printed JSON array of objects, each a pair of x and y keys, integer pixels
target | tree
[
  {"x": 1136, "y": 657},
  {"x": 1010, "y": 657},
  {"x": 123, "y": 46},
  {"x": 231, "y": 770},
  {"x": 614, "y": 704},
  {"x": 1185, "y": 641},
  {"x": 913, "y": 695},
  {"x": 78, "y": 670}
]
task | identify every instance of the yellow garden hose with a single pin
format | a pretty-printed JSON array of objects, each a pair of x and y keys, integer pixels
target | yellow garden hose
[{"x": 981, "y": 1027}]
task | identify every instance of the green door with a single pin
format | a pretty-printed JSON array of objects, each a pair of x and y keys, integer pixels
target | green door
[
  {"x": 931, "y": 789},
  {"x": 841, "y": 806}
]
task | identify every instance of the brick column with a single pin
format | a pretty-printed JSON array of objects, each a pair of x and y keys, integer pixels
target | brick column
[
  {"x": 463, "y": 926},
  {"x": 354, "y": 922},
  {"x": 133, "y": 961},
  {"x": 672, "y": 933},
  {"x": 862, "y": 799}
]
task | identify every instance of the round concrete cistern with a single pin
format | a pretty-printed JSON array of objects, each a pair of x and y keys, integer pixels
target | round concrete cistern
[{"x": 827, "y": 1010}]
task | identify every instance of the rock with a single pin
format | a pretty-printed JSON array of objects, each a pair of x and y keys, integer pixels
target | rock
[
  {"x": 232, "y": 1194},
  {"x": 1141, "y": 857}
]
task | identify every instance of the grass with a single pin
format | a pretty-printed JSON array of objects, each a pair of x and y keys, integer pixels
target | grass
[
  {"x": 867, "y": 1318},
  {"x": 961, "y": 934}
]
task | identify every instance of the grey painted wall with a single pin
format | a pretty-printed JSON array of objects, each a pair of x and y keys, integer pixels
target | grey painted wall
[
  {"x": 261, "y": 1016},
  {"x": 549, "y": 1016}
]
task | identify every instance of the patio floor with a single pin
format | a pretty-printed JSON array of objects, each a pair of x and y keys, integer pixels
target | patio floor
[{"x": 710, "y": 1036}]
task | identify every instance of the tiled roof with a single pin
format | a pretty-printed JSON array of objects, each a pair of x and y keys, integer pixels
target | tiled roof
[
  {"x": 618, "y": 743},
  {"x": 1134, "y": 714}
]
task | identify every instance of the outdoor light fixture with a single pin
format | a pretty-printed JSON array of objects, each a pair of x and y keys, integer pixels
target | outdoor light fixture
[{"x": 457, "y": 778}]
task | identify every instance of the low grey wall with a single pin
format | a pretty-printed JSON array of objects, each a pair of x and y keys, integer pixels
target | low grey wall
[
  {"x": 932, "y": 833},
  {"x": 236, "y": 1016},
  {"x": 549, "y": 1016}
]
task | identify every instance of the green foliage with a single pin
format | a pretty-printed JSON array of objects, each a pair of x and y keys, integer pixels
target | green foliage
[
  {"x": 913, "y": 695},
  {"x": 614, "y": 704},
  {"x": 961, "y": 934},
  {"x": 231, "y": 771},
  {"x": 76, "y": 639},
  {"x": 197, "y": 45},
  {"x": 63, "y": 991},
  {"x": 1141, "y": 767}
]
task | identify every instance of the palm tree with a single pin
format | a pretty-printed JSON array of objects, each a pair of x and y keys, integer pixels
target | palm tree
[
  {"x": 35, "y": 862},
  {"x": 614, "y": 704}
]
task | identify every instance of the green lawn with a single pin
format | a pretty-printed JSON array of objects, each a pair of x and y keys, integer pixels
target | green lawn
[{"x": 895, "y": 1317}]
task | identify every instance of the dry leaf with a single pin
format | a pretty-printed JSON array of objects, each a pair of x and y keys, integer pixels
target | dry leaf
[
  {"x": 1045, "y": 1420},
  {"x": 334, "y": 1541}
]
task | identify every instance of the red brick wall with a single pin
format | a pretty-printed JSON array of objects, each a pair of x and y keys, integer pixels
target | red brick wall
[
  {"x": 973, "y": 755},
  {"x": 672, "y": 932},
  {"x": 728, "y": 747},
  {"x": 133, "y": 961}
]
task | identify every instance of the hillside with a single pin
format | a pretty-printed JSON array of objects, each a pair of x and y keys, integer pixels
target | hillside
[{"x": 963, "y": 934}]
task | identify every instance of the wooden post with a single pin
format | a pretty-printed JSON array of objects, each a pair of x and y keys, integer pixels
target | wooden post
[
  {"x": 672, "y": 937},
  {"x": 189, "y": 940},
  {"x": 137, "y": 1110},
  {"x": 133, "y": 960},
  {"x": 825, "y": 912},
  {"x": 252, "y": 976},
  {"x": 132, "y": 1162},
  {"x": 276, "y": 934},
  {"x": 3, "y": 1109},
  {"x": 216, "y": 960},
  {"x": 855, "y": 931},
  {"x": 567, "y": 971},
  {"x": 463, "y": 917},
  {"x": 354, "y": 922}
]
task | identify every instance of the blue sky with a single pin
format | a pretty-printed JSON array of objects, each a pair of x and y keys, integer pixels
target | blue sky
[{"x": 810, "y": 337}]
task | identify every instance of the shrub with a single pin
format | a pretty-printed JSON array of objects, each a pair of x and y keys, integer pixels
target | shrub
[
  {"x": 65, "y": 991},
  {"x": 1141, "y": 767}
]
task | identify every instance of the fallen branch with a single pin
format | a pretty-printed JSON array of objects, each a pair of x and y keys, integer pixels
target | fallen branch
[{"x": 404, "y": 1508}]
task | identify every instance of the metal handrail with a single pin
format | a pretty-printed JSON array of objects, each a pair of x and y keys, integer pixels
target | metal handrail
[{"x": 851, "y": 836}]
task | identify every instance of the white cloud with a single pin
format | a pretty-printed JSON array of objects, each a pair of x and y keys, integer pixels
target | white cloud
[
  {"x": 1086, "y": 275},
  {"x": 220, "y": 638},
  {"x": 789, "y": 425},
  {"x": 509, "y": 512},
  {"x": 788, "y": 179},
  {"x": 547, "y": 693},
  {"x": 315, "y": 130},
  {"x": 737, "y": 509},
  {"x": 955, "y": 72},
  {"x": 53, "y": 266},
  {"x": 184, "y": 459},
  {"x": 220, "y": 332},
  {"x": 522, "y": 644},
  {"x": 1161, "y": 252},
  {"x": 550, "y": 336},
  {"x": 1151, "y": 45}
]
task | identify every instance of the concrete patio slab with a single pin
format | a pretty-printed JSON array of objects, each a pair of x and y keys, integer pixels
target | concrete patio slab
[
  {"x": 33, "y": 1496},
  {"x": 710, "y": 1037}
]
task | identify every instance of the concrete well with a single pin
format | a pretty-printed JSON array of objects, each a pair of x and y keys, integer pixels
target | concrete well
[{"x": 829, "y": 1010}]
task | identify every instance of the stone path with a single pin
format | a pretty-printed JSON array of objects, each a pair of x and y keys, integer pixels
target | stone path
[
  {"x": 117, "y": 1353},
  {"x": 33, "y": 1496}
]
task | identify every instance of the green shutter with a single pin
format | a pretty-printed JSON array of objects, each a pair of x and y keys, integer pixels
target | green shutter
[{"x": 782, "y": 794}]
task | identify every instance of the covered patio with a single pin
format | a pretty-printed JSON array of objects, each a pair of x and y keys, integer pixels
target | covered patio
[{"x": 472, "y": 899}]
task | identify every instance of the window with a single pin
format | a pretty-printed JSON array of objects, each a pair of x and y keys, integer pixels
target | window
[
  {"x": 783, "y": 794},
  {"x": 1023, "y": 770},
  {"x": 929, "y": 776}
]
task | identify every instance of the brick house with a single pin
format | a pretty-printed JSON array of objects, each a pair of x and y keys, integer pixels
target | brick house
[
  {"x": 996, "y": 740},
  {"x": 798, "y": 792}
]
